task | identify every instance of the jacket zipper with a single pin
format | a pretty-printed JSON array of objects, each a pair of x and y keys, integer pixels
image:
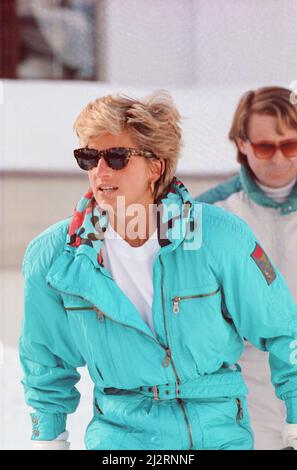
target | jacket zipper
[
  {"x": 169, "y": 359},
  {"x": 166, "y": 361},
  {"x": 176, "y": 300},
  {"x": 79, "y": 308}
]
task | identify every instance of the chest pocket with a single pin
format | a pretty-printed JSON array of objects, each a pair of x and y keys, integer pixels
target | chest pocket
[
  {"x": 183, "y": 301},
  {"x": 75, "y": 303},
  {"x": 88, "y": 327},
  {"x": 198, "y": 312},
  {"x": 203, "y": 329},
  {"x": 83, "y": 316}
]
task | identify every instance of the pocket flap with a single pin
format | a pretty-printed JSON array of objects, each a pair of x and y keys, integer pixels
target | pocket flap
[
  {"x": 73, "y": 302},
  {"x": 201, "y": 291}
]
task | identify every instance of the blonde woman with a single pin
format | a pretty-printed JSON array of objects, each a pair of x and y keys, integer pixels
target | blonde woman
[
  {"x": 154, "y": 293},
  {"x": 264, "y": 130}
]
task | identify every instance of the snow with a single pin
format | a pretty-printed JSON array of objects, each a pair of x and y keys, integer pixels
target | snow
[{"x": 15, "y": 421}]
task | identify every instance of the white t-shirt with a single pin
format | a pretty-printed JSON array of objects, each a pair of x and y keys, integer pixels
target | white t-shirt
[{"x": 132, "y": 269}]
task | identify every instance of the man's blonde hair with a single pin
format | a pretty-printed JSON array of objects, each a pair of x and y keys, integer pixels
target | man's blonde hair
[
  {"x": 273, "y": 101},
  {"x": 153, "y": 123}
]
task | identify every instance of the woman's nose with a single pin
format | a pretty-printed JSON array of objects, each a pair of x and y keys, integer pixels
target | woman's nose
[{"x": 102, "y": 167}]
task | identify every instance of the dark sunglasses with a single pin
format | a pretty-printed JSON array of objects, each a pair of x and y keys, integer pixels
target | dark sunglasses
[
  {"x": 116, "y": 157},
  {"x": 267, "y": 150}
]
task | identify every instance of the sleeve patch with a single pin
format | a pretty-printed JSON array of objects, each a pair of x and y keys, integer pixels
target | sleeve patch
[{"x": 263, "y": 263}]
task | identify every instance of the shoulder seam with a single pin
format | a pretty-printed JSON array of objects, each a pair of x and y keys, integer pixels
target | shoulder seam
[
  {"x": 219, "y": 215},
  {"x": 43, "y": 236},
  {"x": 47, "y": 234}
]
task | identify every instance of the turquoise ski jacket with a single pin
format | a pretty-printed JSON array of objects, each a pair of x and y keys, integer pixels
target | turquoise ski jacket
[{"x": 181, "y": 389}]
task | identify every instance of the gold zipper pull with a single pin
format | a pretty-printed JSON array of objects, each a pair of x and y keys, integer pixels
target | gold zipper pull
[
  {"x": 156, "y": 392},
  {"x": 100, "y": 315},
  {"x": 239, "y": 409},
  {"x": 167, "y": 359},
  {"x": 176, "y": 304}
]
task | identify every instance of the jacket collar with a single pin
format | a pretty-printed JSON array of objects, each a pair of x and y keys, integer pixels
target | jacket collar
[
  {"x": 89, "y": 222},
  {"x": 255, "y": 193},
  {"x": 75, "y": 271}
]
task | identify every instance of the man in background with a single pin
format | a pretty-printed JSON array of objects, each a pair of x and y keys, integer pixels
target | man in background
[{"x": 264, "y": 130}]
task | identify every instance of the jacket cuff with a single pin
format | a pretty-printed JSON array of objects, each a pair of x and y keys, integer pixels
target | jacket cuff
[
  {"x": 291, "y": 405},
  {"x": 47, "y": 426},
  {"x": 50, "y": 445},
  {"x": 290, "y": 435}
]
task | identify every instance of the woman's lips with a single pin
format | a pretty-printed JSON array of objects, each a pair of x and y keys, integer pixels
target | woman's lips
[{"x": 107, "y": 189}]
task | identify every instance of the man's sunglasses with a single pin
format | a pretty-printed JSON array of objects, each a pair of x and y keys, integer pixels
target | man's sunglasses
[
  {"x": 266, "y": 150},
  {"x": 116, "y": 157}
]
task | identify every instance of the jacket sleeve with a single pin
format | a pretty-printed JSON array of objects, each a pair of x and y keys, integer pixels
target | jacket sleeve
[
  {"x": 47, "y": 352},
  {"x": 260, "y": 305}
]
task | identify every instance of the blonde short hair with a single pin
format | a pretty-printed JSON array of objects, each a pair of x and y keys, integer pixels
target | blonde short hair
[
  {"x": 153, "y": 123},
  {"x": 273, "y": 101}
]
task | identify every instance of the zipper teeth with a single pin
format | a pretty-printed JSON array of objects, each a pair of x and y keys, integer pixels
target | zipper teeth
[
  {"x": 165, "y": 324},
  {"x": 128, "y": 326},
  {"x": 185, "y": 297},
  {"x": 180, "y": 402},
  {"x": 79, "y": 308}
]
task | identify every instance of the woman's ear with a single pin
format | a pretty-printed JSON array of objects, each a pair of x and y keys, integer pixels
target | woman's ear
[
  {"x": 242, "y": 145},
  {"x": 163, "y": 167},
  {"x": 157, "y": 169}
]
